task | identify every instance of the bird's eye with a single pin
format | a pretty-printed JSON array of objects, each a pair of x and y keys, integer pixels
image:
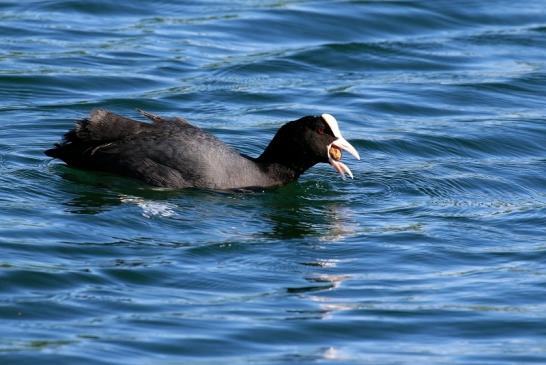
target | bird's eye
[{"x": 320, "y": 130}]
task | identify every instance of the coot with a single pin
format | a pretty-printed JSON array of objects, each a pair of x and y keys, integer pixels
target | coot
[{"x": 170, "y": 152}]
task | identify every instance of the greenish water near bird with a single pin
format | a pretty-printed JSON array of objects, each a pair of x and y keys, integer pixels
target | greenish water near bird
[{"x": 435, "y": 253}]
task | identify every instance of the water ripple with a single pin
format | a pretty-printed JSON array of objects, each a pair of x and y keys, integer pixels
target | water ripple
[{"x": 439, "y": 239}]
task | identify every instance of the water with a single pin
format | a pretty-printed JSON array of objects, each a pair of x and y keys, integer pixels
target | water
[{"x": 434, "y": 254}]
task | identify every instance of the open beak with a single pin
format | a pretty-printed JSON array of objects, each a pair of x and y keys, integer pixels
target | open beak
[{"x": 341, "y": 144}]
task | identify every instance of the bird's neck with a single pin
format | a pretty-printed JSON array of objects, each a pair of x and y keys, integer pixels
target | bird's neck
[
  {"x": 284, "y": 163},
  {"x": 286, "y": 155}
]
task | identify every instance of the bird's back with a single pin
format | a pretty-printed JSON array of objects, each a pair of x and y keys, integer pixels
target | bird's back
[{"x": 167, "y": 152}]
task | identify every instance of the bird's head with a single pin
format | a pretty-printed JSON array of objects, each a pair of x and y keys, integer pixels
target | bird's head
[{"x": 307, "y": 141}]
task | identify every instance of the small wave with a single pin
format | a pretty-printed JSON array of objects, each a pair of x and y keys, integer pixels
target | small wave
[{"x": 151, "y": 208}]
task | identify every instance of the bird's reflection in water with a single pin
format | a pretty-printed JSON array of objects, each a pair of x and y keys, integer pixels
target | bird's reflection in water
[
  {"x": 319, "y": 283},
  {"x": 307, "y": 210},
  {"x": 299, "y": 210},
  {"x": 322, "y": 215},
  {"x": 94, "y": 192}
]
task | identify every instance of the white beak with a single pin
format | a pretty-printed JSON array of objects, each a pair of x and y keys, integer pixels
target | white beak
[
  {"x": 340, "y": 167},
  {"x": 340, "y": 143}
]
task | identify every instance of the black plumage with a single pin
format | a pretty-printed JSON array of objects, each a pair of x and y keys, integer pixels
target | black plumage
[{"x": 170, "y": 152}]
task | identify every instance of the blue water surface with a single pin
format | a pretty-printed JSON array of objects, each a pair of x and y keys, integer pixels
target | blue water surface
[{"x": 434, "y": 254}]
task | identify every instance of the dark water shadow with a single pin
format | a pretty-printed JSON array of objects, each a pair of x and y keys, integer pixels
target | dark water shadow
[
  {"x": 306, "y": 209},
  {"x": 94, "y": 192},
  {"x": 298, "y": 210}
]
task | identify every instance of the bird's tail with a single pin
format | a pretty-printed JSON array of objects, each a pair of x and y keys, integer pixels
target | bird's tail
[{"x": 88, "y": 135}]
